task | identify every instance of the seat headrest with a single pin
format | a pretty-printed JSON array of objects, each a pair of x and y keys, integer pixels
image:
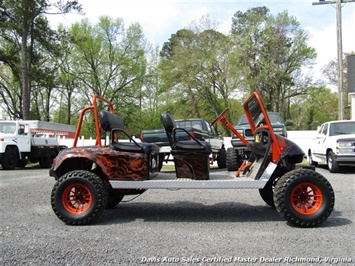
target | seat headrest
[
  {"x": 108, "y": 121},
  {"x": 168, "y": 122}
]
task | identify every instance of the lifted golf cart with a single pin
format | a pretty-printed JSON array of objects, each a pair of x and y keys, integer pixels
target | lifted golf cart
[{"x": 90, "y": 179}]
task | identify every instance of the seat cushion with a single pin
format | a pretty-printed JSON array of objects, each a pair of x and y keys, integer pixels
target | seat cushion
[
  {"x": 192, "y": 145},
  {"x": 140, "y": 147}
]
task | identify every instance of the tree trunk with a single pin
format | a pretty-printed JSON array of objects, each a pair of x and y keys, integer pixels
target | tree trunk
[{"x": 26, "y": 90}]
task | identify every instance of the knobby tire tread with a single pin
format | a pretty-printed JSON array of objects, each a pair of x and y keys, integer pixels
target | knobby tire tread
[{"x": 283, "y": 204}]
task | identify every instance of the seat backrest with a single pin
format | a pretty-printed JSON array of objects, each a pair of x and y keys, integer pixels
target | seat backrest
[
  {"x": 108, "y": 121},
  {"x": 169, "y": 125}
]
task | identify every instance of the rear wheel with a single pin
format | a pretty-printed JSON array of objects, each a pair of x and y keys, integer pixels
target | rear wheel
[
  {"x": 304, "y": 198},
  {"x": 79, "y": 197},
  {"x": 46, "y": 162}
]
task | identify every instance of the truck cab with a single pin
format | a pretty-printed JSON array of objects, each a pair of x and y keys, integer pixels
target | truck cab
[
  {"x": 334, "y": 145},
  {"x": 18, "y": 145}
]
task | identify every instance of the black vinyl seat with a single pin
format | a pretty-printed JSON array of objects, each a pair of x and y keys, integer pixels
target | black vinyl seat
[
  {"x": 191, "y": 157},
  {"x": 114, "y": 123},
  {"x": 176, "y": 144}
]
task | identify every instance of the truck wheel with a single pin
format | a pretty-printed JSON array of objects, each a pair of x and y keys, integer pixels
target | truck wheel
[
  {"x": 221, "y": 159},
  {"x": 46, "y": 162},
  {"x": 10, "y": 159},
  {"x": 232, "y": 159},
  {"x": 22, "y": 163},
  {"x": 160, "y": 163},
  {"x": 304, "y": 198},
  {"x": 333, "y": 166},
  {"x": 310, "y": 160},
  {"x": 79, "y": 197}
]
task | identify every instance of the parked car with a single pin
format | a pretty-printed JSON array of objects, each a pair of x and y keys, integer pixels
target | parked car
[{"x": 334, "y": 145}]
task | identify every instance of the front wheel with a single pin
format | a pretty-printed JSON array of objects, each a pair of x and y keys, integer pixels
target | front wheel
[
  {"x": 221, "y": 158},
  {"x": 333, "y": 165},
  {"x": 10, "y": 159},
  {"x": 304, "y": 198},
  {"x": 232, "y": 159},
  {"x": 79, "y": 197}
]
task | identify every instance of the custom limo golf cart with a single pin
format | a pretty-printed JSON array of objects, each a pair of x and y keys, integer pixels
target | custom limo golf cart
[{"x": 92, "y": 179}]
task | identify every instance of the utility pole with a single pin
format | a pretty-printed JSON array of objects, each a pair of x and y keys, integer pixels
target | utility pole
[{"x": 340, "y": 51}]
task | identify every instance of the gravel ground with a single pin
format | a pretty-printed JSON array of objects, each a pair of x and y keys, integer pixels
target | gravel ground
[{"x": 170, "y": 227}]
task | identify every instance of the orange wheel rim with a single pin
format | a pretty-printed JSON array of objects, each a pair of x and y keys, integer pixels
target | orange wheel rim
[
  {"x": 77, "y": 198},
  {"x": 306, "y": 198}
]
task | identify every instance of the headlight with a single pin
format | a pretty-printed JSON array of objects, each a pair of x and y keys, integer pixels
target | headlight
[
  {"x": 344, "y": 144},
  {"x": 241, "y": 132},
  {"x": 279, "y": 131},
  {"x": 345, "y": 147}
]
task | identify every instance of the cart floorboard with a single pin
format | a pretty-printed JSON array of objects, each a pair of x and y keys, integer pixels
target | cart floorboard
[{"x": 168, "y": 180}]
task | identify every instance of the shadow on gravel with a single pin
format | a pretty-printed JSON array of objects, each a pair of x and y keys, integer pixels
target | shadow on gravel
[
  {"x": 336, "y": 219},
  {"x": 186, "y": 211}
]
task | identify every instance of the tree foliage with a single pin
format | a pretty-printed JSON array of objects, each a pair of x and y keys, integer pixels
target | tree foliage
[
  {"x": 27, "y": 39},
  {"x": 272, "y": 51},
  {"x": 52, "y": 74}
]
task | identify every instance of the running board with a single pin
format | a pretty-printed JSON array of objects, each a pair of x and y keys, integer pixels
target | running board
[{"x": 168, "y": 180}]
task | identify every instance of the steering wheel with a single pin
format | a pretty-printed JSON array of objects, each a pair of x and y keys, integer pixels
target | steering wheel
[
  {"x": 219, "y": 118},
  {"x": 264, "y": 135}
]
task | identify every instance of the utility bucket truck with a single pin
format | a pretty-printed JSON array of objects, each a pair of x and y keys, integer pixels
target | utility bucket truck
[
  {"x": 92, "y": 179},
  {"x": 31, "y": 140}
]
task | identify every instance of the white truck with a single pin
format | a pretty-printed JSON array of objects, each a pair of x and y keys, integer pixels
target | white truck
[
  {"x": 334, "y": 145},
  {"x": 31, "y": 140}
]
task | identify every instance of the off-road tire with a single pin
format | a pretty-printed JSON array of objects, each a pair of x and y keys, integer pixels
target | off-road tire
[
  {"x": 10, "y": 159},
  {"x": 333, "y": 165},
  {"x": 267, "y": 193},
  {"x": 221, "y": 158},
  {"x": 232, "y": 159},
  {"x": 304, "y": 198},
  {"x": 114, "y": 198},
  {"x": 79, "y": 197}
]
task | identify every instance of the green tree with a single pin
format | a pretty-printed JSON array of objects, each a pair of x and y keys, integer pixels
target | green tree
[
  {"x": 315, "y": 107},
  {"x": 24, "y": 30},
  {"x": 272, "y": 51},
  {"x": 330, "y": 72},
  {"x": 108, "y": 60},
  {"x": 198, "y": 72}
]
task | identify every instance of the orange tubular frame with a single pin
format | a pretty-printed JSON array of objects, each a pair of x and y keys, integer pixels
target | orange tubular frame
[
  {"x": 96, "y": 119},
  {"x": 276, "y": 149}
]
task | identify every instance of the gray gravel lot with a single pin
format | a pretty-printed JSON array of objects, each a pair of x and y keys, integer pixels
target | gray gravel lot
[{"x": 170, "y": 227}]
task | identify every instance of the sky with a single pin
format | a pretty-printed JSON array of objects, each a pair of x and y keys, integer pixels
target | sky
[{"x": 162, "y": 18}]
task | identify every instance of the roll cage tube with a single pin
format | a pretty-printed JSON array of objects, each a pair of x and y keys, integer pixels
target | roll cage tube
[
  {"x": 96, "y": 118},
  {"x": 258, "y": 118},
  {"x": 222, "y": 118}
]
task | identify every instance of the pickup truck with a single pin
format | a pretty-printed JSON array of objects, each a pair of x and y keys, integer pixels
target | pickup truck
[
  {"x": 239, "y": 152},
  {"x": 199, "y": 128},
  {"x": 334, "y": 145}
]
